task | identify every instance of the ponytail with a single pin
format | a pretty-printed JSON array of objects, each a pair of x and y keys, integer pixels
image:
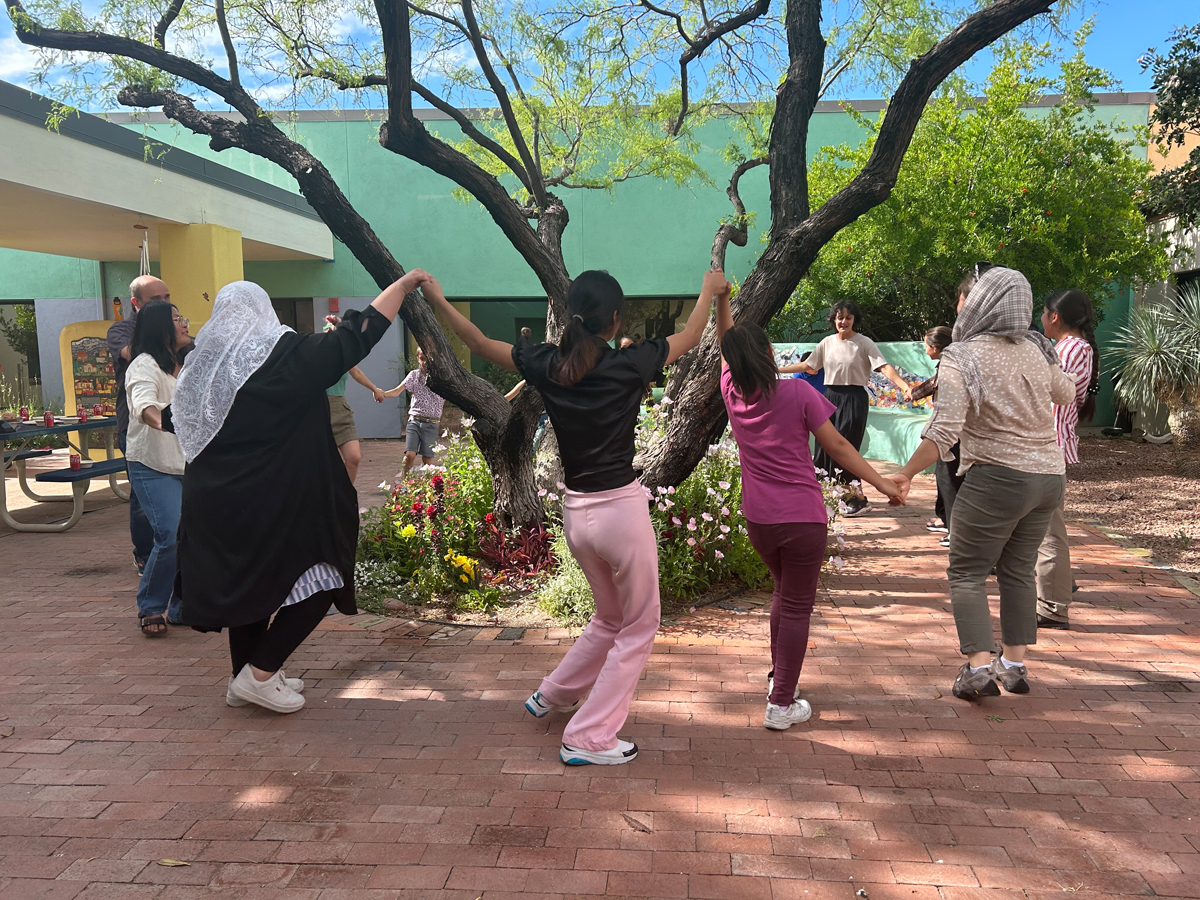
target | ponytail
[
  {"x": 592, "y": 300},
  {"x": 1074, "y": 307}
]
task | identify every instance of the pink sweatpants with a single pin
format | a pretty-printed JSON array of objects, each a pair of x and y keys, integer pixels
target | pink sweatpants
[{"x": 610, "y": 535}]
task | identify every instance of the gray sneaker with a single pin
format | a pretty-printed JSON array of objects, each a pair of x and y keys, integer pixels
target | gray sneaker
[
  {"x": 975, "y": 685},
  {"x": 1012, "y": 679}
]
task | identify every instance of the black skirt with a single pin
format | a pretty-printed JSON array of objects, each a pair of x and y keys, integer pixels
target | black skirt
[{"x": 850, "y": 420}]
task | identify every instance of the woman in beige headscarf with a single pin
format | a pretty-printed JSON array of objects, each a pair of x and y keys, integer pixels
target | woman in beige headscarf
[{"x": 996, "y": 385}]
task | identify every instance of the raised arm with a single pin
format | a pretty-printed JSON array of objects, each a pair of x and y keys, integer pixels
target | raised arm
[
  {"x": 714, "y": 284},
  {"x": 392, "y": 297},
  {"x": 724, "y": 320},
  {"x": 798, "y": 367},
  {"x": 498, "y": 352},
  {"x": 516, "y": 389}
]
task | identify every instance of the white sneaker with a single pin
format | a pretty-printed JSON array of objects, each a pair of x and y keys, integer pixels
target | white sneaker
[
  {"x": 624, "y": 752},
  {"x": 273, "y": 694},
  {"x": 771, "y": 687},
  {"x": 780, "y": 719},
  {"x": 539, "y": 708},
  {"x": 232, "y": 699}
]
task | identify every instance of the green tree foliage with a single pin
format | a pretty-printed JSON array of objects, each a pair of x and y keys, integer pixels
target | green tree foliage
[
  {"x": 21, "y": 333},
  {"x": 1050, "y": 191},
  {"x": 1176, "y": 120}
]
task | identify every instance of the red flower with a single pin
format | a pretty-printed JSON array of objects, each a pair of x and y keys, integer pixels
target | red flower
[
  {"x": 431, "y": 510},
  {"x": 490, "y": 518},
  {"x": 417, "y": 506}
]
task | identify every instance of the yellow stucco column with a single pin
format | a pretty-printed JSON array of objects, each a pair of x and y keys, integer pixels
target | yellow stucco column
[{"x": 195, "y": 260}]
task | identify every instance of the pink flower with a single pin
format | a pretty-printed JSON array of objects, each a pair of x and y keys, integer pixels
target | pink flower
[
  {"x": 691, "y": 542},
  {"x": 691, "y": 524},
  {"x": 723, "y": 485},
  {"x": 725, "y": 511},
  {"x": 676, "y": 520},
  {"x": 706, "y": 517},
  {"x": 719, "y": 554}
]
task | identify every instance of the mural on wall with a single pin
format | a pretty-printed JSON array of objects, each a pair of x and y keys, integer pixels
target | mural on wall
[{"x": 92, "y": 371}]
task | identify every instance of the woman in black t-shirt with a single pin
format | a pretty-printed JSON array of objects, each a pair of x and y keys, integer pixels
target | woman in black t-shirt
[{"x": 592, "y": 394}]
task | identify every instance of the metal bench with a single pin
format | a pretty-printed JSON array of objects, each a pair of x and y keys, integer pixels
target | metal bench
[{"x": 79, "y": 479}]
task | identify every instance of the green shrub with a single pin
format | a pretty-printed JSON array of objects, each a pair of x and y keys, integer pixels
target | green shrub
[{"x": 566, "y": 594}]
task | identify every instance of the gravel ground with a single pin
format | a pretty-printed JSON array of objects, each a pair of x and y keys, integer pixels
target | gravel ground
[{"x": 1132, "y": 488}]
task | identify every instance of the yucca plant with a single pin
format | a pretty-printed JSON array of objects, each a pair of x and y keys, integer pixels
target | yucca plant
[{"x": 1157, "y": 356}]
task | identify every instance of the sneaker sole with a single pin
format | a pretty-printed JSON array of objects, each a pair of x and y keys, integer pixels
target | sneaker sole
[
  {"x": 784, "y": 726},
  {"x": 858, "y": 512},
  {"x": 1020, "y": 687},
  {"x": 258, "y": 701},
  {"x": 534, "y": 711},
  {"x": 580, "y": 758},
  {"x": 991, "y": 690}
]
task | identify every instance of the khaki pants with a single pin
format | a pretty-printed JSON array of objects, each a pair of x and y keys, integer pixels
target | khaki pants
[
  {"x": 1054, "y": 570},
  {"x": 1000, "y": 518}
]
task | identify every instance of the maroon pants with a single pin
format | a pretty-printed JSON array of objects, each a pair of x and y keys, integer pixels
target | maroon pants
[{"x": 794, "y": 552}]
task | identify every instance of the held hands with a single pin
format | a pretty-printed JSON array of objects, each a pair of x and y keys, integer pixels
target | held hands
[
  {"x": 412, "y": 280},
  {"x": 907, "y": 392},
  {"x": 902, "y": 484},
  {"x": 378, "y": 394},
  {"x": 715, "y": 285}
]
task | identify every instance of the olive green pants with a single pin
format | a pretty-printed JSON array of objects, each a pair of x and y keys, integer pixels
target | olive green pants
[{"x": 999, "y": 520}]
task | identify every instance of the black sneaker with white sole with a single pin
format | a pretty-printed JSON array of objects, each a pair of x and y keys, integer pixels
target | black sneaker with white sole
[{"x": 856, "y": 506}]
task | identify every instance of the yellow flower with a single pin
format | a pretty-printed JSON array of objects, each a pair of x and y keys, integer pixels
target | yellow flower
[
  {"x": 408, "y": 531},
  {"x": 464, "y": 577}
]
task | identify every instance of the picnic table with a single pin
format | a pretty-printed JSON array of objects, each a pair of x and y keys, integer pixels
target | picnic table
[{"x": 20, "y": 445}]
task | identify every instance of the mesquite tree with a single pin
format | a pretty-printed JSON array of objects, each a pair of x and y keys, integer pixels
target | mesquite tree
[{"x": 578, "y": 96}]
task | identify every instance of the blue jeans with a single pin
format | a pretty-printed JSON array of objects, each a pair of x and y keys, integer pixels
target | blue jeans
[
  {"x": 162, "y": 496},
  {"x": 139, "y": 525}
]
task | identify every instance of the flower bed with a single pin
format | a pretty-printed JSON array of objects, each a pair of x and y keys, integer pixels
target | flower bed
[{"x": 436, "y": 543}]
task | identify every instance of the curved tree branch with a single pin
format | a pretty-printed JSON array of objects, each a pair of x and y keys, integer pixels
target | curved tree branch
[
  {"x": 170, "y": 14},
  {"x": 734, "y": 232}
]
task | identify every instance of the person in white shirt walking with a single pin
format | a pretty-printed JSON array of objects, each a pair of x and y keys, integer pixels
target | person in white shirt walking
[{"x": 154, "y": 459}]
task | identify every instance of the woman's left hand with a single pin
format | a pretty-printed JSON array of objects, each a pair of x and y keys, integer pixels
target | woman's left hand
[
  {"x": 907, "y": 391},
  {"x": 378, "y": 394}
]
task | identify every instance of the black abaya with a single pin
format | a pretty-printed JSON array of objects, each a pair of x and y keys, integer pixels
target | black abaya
[{"x": 269, "y": 497}]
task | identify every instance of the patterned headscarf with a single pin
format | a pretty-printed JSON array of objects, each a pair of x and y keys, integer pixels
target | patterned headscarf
[
  {"x": 1001, "y": 302},
  {"x": 231, "y": 347}
]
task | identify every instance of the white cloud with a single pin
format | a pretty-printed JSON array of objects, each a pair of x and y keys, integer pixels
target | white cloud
[{"x": 16, "y": 60}]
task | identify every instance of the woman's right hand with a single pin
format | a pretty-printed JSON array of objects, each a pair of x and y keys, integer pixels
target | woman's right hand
[
  {"x": 413, "y": 279},
  {"x": 896, "y": 487},
  {"x": 714, "y": 284}
]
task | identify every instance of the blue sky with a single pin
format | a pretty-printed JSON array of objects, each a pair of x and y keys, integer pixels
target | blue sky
[{"x": 1124, "y": 29}]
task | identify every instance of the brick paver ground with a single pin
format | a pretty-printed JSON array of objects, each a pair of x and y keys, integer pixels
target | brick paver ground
[{"x": 414, "y": 771}]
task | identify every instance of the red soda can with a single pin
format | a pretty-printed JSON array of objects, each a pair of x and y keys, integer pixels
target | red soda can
[
  {"x": 24, "y": 413},
  {"x": 81, "y": 413},
  {"x": 97, "y": 410},
  {"x": 48, "y": 418},
  {"x": 76, "y": 465}
]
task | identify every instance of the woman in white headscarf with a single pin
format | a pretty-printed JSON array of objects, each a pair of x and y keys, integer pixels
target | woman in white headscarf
[
  {"x": 269, "y": 518},
  {"x": 996, "y": 384}
]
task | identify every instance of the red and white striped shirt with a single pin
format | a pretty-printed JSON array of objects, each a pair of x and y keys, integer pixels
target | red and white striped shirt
[{"x": 1075, "y": 357}]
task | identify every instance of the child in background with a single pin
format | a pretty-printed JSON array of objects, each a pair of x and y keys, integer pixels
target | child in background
[
  {"x": 936, "y": 340},
  {"x": 424, "y": 414}
]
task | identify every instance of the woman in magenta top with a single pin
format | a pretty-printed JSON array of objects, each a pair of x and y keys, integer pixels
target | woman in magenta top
[{"x": 784, "y": 508}]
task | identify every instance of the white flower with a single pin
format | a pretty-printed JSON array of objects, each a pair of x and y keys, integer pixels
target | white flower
[
  {"x": 711, "y": 492},
  {"x": 723, "y": 485},
  {"x": 675, "y": 519},
  {"x": 725, "y": 511},
  {"x": 829, "y": 512},
  {"x": 706, "y": 517},
  {"x": 693, "y": 609},
  {"x": 438, "y": 448},
  {"x": 719, "y": 554},
  {"x": 669, "y": 502},
  {"x": 837, "y": 562},
  {"x": 542, "y": 492},
  {"x": 725, "y": 529},
  {"x": 446, "y": 433},
  {"x": 742, "y": 529},
  {"x": 362, "y": 510},
  {"x": 399, "y": 476},
  {"x": 552, "y": 496},
  {"x": 467, "y": 421},
  {"x": 667, "y": 401},
  {"x": 691, "y": 542},
  {"x": 384, "y": 486}
]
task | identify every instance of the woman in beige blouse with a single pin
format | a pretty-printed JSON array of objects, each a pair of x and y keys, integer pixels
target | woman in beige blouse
[
  {"x": 996, "y": 386},
  {"x": 848, "y": 359}
]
